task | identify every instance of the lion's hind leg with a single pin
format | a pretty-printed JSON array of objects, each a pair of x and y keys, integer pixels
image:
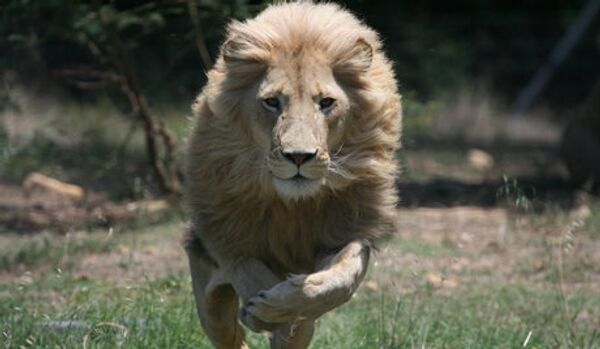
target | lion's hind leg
[{"x": 217, "y": 305}]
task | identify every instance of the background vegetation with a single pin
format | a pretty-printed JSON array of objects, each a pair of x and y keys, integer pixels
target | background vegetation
[
  {"x": 145, "y": 61},
  {"x": 437, "y": 46}
]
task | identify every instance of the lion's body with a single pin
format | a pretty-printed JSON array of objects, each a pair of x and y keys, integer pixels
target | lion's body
[{"x": 237, "y": 213}]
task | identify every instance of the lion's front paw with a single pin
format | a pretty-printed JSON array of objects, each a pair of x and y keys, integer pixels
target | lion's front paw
[
  {"x": 299, "y": 297},
  {"x": 255, "y": 324}
]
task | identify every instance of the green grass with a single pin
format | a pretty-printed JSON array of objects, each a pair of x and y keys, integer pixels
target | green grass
[
  {"x": 45, "y": 248},
  {"x": 157, "y": 314},
  {"x": 58, "y": 308},
  {"x": 475, "y": 316},
  {"x": 161, "y": 314},
  {"x": 423, "y": 249}
]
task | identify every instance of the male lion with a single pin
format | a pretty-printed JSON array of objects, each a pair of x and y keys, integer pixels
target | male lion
[{"x": 290, "y": 171}]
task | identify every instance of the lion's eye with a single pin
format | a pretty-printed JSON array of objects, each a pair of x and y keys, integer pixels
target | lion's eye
[
  {"x": 326, "y": 103},
  {"x": 271, "y": 103}
]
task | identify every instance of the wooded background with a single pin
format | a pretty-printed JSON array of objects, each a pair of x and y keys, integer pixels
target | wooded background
[
  {"x": 436, "y": 45},
  {"x": 142, "y": 55}
]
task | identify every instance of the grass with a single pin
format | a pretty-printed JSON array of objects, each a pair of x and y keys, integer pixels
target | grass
[
  {"x": 156, "y": 315},
  {"x": 55, "y": 307},
  {"x": 406, "y": 246},
  {"x": 48, "y": 249},
  {"x": 592, "y": 223},
  {"x": 61, "y": 312},
  {"x": 477, "y": 316}
]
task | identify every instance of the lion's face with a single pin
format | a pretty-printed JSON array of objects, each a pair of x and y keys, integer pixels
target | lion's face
[
  {"x": 300, "y": 116},
  {"x": 293, "y": 97}
]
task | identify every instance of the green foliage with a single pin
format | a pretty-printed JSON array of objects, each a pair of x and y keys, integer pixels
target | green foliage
[
  {"x": 16, "y": 162},
  {"x": 47, "y": 37},
  {"x": 417, "y": 117},
  {"x": 437, "y": 46}
]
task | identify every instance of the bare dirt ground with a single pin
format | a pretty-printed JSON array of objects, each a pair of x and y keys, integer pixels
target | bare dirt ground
[{"x": 460, "y": 245}]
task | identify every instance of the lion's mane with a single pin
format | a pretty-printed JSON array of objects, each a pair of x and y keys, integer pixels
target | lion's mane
[{"x": 235, "y": 211}]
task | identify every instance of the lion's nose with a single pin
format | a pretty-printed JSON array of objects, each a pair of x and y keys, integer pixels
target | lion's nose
[{"x": 299, "y": 157}]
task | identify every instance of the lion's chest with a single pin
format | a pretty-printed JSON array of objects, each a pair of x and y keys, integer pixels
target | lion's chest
[
  {"x": 291, "y": 247},
  {"x": 285, "y": 237}
]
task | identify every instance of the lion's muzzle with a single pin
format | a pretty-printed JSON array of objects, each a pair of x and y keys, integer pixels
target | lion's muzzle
[
  {"x": 299, "y": 157},
  {"x": 298, "y": 173}
]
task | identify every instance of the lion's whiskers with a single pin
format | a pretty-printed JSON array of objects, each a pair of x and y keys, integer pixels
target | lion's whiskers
[
  {"x": 338, "y": 151},
  {"x": 336, "y": 166}
]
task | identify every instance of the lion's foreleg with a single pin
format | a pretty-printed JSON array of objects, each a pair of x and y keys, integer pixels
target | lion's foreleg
[
  {"x": 310, "y": 296},
  {"x": 249, "y": 276}
]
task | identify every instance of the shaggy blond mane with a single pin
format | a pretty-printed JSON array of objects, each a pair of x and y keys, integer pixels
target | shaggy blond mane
[{"x": 235, "y": 210}]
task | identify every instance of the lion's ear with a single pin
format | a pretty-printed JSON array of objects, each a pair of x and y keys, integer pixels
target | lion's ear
[
  {"x": 235, "y": 50},
  {"x": 243, "y": 57},
  {"x": 356, "y": 60},
  {"x": 239, "y": 50}
]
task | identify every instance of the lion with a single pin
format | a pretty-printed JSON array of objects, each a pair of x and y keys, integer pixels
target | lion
[{"x": 290, "y": 172}]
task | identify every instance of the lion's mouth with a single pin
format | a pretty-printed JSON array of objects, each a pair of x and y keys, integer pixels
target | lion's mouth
[
  {"x": 298, "y": 177},
  {"x": 297, "y": 186}
]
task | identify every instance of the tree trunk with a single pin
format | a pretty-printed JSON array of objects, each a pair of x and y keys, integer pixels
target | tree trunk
[{"x": 158, "y": 138}]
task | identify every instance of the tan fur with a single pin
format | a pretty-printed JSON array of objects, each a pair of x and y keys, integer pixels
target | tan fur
[{"x": 235, "y": 159}]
